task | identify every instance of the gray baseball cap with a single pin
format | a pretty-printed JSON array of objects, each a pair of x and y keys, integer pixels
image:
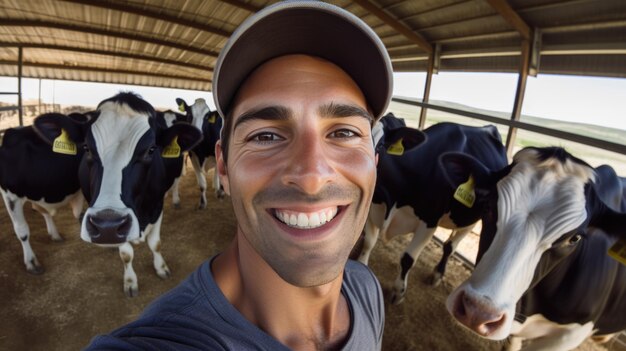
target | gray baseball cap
[{"x": 305, "y": 27}]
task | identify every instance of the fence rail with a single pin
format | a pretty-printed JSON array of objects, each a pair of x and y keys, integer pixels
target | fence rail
[{"x": 602, "y": 144}]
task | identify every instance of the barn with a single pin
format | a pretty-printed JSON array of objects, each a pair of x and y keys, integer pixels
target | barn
[{"x": 175, "y": 44}]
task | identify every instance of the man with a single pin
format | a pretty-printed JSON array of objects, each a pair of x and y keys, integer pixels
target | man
[{"x": 299, "y": 86}]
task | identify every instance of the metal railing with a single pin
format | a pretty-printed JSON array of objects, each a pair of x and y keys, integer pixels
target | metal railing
[{"x": 602, "y": 144}]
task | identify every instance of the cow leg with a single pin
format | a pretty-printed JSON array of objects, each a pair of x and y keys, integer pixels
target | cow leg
[
  {"x": 542, "y": 334},
  {"x": 175, "y": 193},
  {"x": 131, "y": 287},
  {"x": 449, "y": 248},
  {"x": 420, "y": 238},
  {"x": 373, "y": 224},
  {"x": 52, "y": 228},
  {"x": 15, "y": 207},
  {"x": 77, "y": 202},
  {"x": 197, "y": 167},
  {"x": 219, "y": 191},
  {"x": 154, "y": 242},
  {"x": 370, "y": 239}
]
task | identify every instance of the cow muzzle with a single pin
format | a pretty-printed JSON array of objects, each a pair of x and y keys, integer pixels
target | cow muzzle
[
  {"x": 477, "y": 314},
  {"x": 108, "y": 227}
]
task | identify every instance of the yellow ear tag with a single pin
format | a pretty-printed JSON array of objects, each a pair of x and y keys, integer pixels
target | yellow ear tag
[
  {"x": 172, "y": 150},
  {"x": 181, "y": 107},
  {"x": 63, "y": 145},
  {"x": 212, "y": 119},
  {"x": 465, "y": 193},
  {"x": 396, "y": 149},
  {"x": 618, "y": 251}
]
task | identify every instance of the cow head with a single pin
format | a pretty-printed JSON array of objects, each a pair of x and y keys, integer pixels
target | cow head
[
  {"x": 122, "y": 173},
  {"x": 391, "y": 133},
  {"x": 200, "y": 116},
  {"x": 168, "y": 118},
  {"x": 536, "y": 212}
]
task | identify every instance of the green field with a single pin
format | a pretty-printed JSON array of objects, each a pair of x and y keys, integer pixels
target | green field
[{"x": 594, "y": 156}]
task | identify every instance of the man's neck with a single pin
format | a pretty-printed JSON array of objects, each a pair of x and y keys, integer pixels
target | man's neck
[{"x": 315, "y": 318}]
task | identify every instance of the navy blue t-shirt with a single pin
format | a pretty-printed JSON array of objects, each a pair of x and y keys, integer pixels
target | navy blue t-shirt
[{"x": 197, "y": 316}]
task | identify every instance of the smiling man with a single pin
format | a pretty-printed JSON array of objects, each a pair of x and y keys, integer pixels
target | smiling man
[{"x": 299, "y": 86}]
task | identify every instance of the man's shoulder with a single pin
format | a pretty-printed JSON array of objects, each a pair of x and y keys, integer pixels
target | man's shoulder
[
  {"x": 357, "y": 273},
  {"x": 190, "y": 294},
  {"x": 360, "y": 284}
]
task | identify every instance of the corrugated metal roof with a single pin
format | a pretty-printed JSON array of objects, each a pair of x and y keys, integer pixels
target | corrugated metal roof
[{"x": 173, "y": 43}]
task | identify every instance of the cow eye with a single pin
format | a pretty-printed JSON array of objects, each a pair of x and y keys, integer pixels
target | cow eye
[
  {"x": 151, "y": 150},
  {"x": 576, "y": 238},
  {"x": 86, "y": 148}
]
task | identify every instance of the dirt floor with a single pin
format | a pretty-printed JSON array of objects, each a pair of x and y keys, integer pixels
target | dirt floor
[{"x": 80, "y": 294}]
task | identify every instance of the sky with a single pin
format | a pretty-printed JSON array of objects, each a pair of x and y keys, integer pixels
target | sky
[{"x": 594, "y": 100}]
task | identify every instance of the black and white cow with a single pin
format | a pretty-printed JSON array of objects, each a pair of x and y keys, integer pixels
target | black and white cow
[
  {"x": 210, "y": 123},
  {"x": 167, "y": 119},
  {"x": 543, "y": 272},
  {"x": 412, "y": 194},
  {"x": 130, "y": 162},
  {"x": 32, "y": 170}
]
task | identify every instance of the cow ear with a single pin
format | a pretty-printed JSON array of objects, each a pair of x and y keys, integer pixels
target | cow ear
[
  {"x": 397, "y": 141},
  {"x": 604, "y": 217},
  {"x": 79, "y": 117},
  {"x": 457, "y": 168},
  {"x": 187, "y": 136},
  {"x": 49, "y": 126},
  {"x": 182, "y": 105}
]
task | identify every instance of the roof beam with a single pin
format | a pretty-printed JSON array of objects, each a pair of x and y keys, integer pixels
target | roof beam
[
  {"x": 616, "y": 24},
  {"x": 105, "y": 70},
  {"x": 488, "y": 36},
  {"x": 553, "y": 6},
  {"x": 107, "y": 53},
  {"x": 136, "y": 10},
  {"x": 432, "y": 9},
  {"x": 395, "y": 24},
  {"x": 243, "y": 5},
  {"x": 105, "y": 32},
  {"x": 506, "y": 11}
]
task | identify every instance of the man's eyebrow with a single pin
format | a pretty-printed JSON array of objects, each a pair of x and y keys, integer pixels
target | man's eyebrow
[
  {"x": 344, "y": 110},
  {"x": 279, "y": 113}
]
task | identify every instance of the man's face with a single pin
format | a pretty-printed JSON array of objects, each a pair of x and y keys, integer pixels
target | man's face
[{"x": 301, "y": 167}]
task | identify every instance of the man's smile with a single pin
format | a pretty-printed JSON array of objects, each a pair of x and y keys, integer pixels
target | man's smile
[{"x": 306, "y": 220}]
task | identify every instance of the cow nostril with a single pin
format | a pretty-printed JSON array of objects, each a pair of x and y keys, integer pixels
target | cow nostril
[
  {"x": 489, "y": 327},
  {"x": 459, "y": 310},
  {"x": 124, "y": 227},
  {"x": 92, "y": 228},
  {"x": 478, "y": 314}
]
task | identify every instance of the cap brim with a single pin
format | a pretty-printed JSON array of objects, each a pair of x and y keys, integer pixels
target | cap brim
[{"x": 310, "y": 28}]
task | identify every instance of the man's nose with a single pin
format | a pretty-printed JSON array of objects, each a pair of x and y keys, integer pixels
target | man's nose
[{"x": 310, "y": 168}]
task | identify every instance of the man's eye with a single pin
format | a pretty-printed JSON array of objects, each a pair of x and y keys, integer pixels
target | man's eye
[
  {"x": 265, "y": 137},
  {"x": 343, "y": 133}
]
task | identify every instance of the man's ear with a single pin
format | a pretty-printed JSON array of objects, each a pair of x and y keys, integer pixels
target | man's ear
[
  {"x": 220, "y": 167},
  {"x": 50, "y": 125}
]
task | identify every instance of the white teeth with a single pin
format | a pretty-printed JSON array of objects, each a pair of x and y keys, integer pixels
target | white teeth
[
  {"x": 306, "y": 220},
  {"x": 293, "y": 220},
  {"x": 303, "y": 220},
  {"x": 314, "y": 220}
]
